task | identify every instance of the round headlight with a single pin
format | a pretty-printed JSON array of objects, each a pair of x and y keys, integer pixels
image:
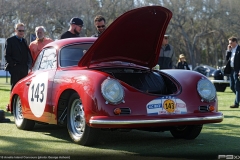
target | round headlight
[
  {"x": 112, "y": 91},
  {"x": 206, "y": 90}
]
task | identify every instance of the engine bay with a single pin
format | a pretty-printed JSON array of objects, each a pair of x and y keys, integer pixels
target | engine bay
[{"x": 148, "y": 81}]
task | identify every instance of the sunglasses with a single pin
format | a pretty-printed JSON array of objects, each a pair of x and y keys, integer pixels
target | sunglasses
[
  {"x": 165, "y": 37},
  {"x": 21, "y": 30},
  {"x": 103, "y": 26}
]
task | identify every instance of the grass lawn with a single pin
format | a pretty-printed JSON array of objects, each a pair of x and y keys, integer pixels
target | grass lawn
[{"x": 49, "y": 140}]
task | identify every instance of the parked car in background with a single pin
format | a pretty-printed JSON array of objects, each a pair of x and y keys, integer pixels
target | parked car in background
[
  {"x": 205, "y": 70},
  {"x": 220, "y": 81},
  {"x": 93, "y": 84}
]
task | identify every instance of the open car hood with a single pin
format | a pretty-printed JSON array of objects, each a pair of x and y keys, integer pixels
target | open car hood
[{"x": 134, "y": 37}]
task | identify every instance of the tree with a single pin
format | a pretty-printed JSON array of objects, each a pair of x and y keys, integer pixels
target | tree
[{"x": 199, "y": 29}]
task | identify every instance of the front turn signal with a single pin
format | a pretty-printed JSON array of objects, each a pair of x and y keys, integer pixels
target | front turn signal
[
  {"x": 117, "y": 111},
  {"x": 211, "y": 108}
]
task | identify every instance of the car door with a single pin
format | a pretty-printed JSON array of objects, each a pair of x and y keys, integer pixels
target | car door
[
  {"x": 40, "y": 86},
  {"x": 68, "y": 58}
]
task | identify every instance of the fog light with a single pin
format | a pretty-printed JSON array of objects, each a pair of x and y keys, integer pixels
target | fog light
[{"x": 117, "y": 111}]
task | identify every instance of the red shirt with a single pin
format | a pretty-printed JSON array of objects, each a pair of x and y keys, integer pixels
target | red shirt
[{"x": 37, "y": 45}]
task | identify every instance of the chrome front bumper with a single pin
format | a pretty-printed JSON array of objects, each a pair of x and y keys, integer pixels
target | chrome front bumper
[{"x": 102, "y": 121}]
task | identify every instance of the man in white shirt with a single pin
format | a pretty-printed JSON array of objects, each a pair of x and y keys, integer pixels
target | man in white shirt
[{"x": 233, "y": 54}]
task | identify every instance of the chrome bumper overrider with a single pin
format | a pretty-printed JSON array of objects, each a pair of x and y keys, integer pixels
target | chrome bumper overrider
[{"x": 155, "y": 121}]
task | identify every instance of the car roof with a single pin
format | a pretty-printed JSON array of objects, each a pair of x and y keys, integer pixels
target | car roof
[{"x": 63, "y": 42}]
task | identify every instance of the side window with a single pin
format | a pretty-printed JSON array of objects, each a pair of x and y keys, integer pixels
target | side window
[
  {"x": 38, "y": 61},
  {"x": 71, "y": 55},
  {"x": 49, "y": 59}
]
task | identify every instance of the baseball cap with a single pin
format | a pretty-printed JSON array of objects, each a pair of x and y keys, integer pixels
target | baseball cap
[
  {"x": 76, "y": 21},
  {"x": 166, "y": 35}
]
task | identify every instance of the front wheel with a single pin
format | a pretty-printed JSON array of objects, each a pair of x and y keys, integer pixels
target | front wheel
[
  {"x": 186, "y": 132},
  {"x": 20, "y": 121},
  {"x": 78, "y": 130}
]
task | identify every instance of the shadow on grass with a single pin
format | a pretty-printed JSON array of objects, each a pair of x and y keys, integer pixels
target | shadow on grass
[
  {"x": 3, "y": 89},
  {"x": 208, "y": 145},
  {"x": 53, "y": 130},
  {"x": 8, "y": 114}
]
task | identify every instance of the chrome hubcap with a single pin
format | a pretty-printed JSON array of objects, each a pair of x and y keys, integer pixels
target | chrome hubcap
[{"x": 77, "y": 119}]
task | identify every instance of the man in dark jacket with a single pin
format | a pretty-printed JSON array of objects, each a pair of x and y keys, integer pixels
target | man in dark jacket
[
  {"x": 18, "y": 55},
  {"x": 233, "y": 54},
  {"x": 167, "y": 59}
]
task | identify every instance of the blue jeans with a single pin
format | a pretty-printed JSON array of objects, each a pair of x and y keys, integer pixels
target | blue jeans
[{"x": 235, "y": 86}]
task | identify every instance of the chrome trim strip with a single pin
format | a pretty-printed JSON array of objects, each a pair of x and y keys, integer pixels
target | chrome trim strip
[
  {"x": 117, "y": 122},
  {"x": 220, "y": 81}
]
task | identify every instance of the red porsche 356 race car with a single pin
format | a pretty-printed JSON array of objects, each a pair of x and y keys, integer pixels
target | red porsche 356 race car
[{"x": 88, "y": 84}]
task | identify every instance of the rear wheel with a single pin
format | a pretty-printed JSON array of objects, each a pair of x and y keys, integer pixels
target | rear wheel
[
  {"x": 186, "y": 132},
  {"x": 20, "y": 121},
  {"x": 78, "y": 130}
]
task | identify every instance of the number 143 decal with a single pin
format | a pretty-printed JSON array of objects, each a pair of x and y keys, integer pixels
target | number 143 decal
[{"x": 38, "y": 92}]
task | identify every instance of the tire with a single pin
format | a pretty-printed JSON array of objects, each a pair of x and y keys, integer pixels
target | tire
[
  {"x": 186, "y": 132},
  {"x": 220, "y": 87},
  {"x": 78, "y": 130},
  {"x": 20, "y": 121}
]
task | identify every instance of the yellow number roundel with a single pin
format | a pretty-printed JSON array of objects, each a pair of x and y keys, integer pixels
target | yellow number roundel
[{"x": 169, "y": 105}]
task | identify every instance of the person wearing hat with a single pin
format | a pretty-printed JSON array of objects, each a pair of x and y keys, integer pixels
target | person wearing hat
[
  {"x": 182, "y": 64},
  {"x": 167, "y": 59},
  {"x": 74, "y": 30}
]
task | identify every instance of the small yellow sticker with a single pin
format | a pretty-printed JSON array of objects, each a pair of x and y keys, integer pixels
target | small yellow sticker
[{"x": 169, "y": 105}]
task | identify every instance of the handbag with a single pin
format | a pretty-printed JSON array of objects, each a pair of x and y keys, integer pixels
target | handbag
[
  {"x": 6, "y": 67},
  {"x": 227, "y": 69}
]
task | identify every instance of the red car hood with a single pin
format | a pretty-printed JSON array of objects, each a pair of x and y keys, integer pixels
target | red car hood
[{"x": 134, "y": 37}]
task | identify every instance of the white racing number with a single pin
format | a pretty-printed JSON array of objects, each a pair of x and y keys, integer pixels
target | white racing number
[{"x": 37, "y": 94}]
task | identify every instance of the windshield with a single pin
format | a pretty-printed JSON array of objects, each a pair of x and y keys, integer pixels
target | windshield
[{"x": 71, "y": 55}]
